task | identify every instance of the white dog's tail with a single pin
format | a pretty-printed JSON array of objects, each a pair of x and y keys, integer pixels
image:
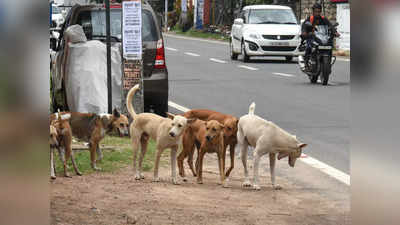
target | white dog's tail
[
  {"x": 129, "y": 99},
  {"x": 252, "y": 108}
]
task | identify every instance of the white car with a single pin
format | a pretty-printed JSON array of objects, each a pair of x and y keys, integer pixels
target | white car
[{"x": 265, "y": 30}]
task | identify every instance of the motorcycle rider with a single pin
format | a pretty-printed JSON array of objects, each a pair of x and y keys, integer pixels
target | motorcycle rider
[{"x": 307, "y": 31}]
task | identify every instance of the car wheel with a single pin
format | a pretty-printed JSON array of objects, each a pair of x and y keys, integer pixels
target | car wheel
[
  {"x": 234, "y": 56},
  {"x": 162, "y": 109},
  {"x": 289, "y": 58},
  {"x": 246, "y": 58}
]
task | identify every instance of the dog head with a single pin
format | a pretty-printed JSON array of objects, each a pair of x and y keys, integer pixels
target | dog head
[
  {"x": 53, "y": 137},
  {"x": 213, "y": 129},
  {"x": 230, "y": 127},
  {"x": 293, "y": 155},
  {"x": 178, "y": 124},
  {"x": 116, "y": 121}
]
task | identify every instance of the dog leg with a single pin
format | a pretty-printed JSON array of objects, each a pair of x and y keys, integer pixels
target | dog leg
[
  {"x": 52, "y": 169},
  {"x": 181, "y": 158},
  {"x": 272, "y": 160},
  {"x": 74, "y": 164},
  {"x": 243, "y": 152},
  {"x": 93, "y": 147},
  {"x": 173, "y": 164},
  {"x": 144, "y": 142},
  {"x": 99, "y": 154},
  {"x": 232, "y": 155},
  {"x": 64, "y": 161},
  {"x": 200, "y": 166},
  {"x": 135, "y": 146},
  {"x": 256, "y": 166},
  {"x": 221, "y": 165},
  {"x": 157, "y": 163},
  {"x": 190, "y": 161}
]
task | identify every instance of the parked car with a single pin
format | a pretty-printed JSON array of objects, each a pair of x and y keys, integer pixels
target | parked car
[
  {"x": 265, "y": 30},
  {"x": 155, "y": 73}
]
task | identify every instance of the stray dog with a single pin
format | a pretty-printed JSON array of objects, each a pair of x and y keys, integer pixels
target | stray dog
[
  {"x": 61, "y": 139},
  {"x": 208, "y": 136},
  {"x": 229, "y": 123},
  {"x": 165, "y": 131},
  {"x": 92, "y": 128},
  {"x": 265, "y": 137}
]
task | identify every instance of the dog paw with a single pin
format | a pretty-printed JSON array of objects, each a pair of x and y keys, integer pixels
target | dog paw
[
  {"x": 141, "y": 176},
  {"x": 256, "y": 187},
  {"x": 67, "y": 175},
  {"x": 246, "y": 184},
  {"x": 276, "y": 187},
  {"x": 199, "y": 181},
  {"x": 137, "y": 177},
  {"x": 79, "y": 173},
  {"x": 53, "y": 177},
  {"x": 156, "y": 179},
  {"x": 174, "y": 181},
  {"x": 184, "y": 179}
]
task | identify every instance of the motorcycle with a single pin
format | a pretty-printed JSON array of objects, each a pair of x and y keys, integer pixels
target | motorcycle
[{"x": 321, "y": 60}]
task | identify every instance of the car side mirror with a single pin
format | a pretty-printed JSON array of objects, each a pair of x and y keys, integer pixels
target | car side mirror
[{"x": 238, "y": 21}]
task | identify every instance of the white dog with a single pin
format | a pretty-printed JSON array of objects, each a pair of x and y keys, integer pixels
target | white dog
[
  {"x": 165, "y": 131},
  {"x": 265, "y": 137}
]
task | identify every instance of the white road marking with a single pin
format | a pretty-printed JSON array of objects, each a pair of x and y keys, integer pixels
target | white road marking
[
  {"x": 284, "y": 74},
  {"x": 342, "y": 59},
  {"x": 191, "y": 54},
  {"x": 171, "y": 49},
  {"x": 248, "y": 67},
  {"x": 333, "y": 172},
  {"x": 217, "y": 60},
  {"x": 325, "y": 168}
]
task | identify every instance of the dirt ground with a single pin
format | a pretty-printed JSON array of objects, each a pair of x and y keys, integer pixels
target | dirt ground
[{"x": 117, "y": 198}]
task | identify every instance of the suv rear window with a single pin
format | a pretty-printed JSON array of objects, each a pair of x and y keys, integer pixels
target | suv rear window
[{"x": 97, "y": 18}]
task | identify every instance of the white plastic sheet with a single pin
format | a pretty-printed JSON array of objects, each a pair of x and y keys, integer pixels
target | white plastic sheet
[{"x": 86, "y": 77}]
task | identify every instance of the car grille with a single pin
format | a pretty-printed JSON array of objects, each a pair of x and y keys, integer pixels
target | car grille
[
  {"x": 281, "y": 37},
  {"x": 278, "y": 48}
]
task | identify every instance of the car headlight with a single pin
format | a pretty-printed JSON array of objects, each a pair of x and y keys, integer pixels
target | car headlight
[{"x": 254, "y": 36}]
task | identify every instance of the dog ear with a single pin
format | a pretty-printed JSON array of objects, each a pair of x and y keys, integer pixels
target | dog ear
[
  {"x": 301, "y": 145},
  {"x": 104, "y": 120},
  {"x": 116, "y": 113},
  {"x": 282, "y": 155},
  {"x": 221, "y": 125},
  {"x": 170, "y": 115}
]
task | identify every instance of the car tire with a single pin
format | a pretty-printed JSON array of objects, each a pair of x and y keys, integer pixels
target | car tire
[
  {"x": 246, "y": 58},
  {"x": 234, "y": 56},
  {"x": 289, "y": 58},
  {"x": 162, "y": 109}
]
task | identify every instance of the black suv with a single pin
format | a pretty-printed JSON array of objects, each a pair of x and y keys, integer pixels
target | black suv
[{"x": 155, "y": 73}]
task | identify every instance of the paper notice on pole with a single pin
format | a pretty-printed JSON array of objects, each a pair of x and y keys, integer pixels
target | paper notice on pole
[{"x": 132, "y": 29}]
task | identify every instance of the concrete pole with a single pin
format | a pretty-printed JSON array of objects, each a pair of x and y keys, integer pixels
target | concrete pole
[{"x": 166, "y": 16}]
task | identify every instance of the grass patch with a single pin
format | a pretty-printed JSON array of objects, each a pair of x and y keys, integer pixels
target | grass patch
[
  {"x": 200, "y": 34},
  {"x": 113, "y": 160}
]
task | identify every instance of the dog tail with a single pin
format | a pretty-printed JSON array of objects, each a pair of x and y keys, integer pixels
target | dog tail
[
  {"x": 129, "y": 99},
  {"x": 252, "y": 108}
]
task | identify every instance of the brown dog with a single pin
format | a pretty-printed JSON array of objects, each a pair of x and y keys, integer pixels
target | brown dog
[
  {"x": 92, "y": 128},
  {"x": 208, "y": 137},
  {"x": 61, "y": 139},
  {"x": 230, "y": 129}
]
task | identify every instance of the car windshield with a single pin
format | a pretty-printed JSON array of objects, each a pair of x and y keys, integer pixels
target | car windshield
[
  {"x": 56, "y": 10},
  {"x": 272, "y": 16},
  {"x": 97, "y": 20}
]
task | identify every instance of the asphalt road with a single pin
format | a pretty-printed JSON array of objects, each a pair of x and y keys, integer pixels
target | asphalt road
[{"x": 201, "y": 75}]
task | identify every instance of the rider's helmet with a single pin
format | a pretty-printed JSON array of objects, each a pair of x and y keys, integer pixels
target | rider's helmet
[{"x": 317, "y": 6}]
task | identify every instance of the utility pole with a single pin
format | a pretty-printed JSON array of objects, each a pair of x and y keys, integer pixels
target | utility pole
[
  {"x": 108, "y": 36},
  {"x": 166, "y": 16}
]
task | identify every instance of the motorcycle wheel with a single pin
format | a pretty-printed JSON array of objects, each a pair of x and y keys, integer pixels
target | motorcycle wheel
[{"x": 325, "y": 70}]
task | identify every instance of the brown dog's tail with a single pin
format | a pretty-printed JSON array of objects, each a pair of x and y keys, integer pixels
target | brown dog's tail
[
  {"x": 129, "y": 99},
  {"x": 252, "y": 108}
]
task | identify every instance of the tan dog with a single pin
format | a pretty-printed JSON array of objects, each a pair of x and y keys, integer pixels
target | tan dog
[
  {"x": 165, "y": 131},
  {"x": 61, "y": 139},
  {"x": 230, "y": 129},
  {"x": 208, "y": 136},
  {"x": 266, "y": 138},
  {"x": 92, "y": 128}
]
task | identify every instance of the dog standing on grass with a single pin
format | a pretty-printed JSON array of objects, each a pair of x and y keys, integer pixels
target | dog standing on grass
[
  {"x": 165, "y": 131},
  {"x": 208, "y": 137},
  {"x": 61, "y": 139},
  {"x": 92, "y": 128},
  {"x": 266, "y": 138}
]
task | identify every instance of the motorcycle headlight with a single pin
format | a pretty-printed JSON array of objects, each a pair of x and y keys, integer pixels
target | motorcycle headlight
[{"x": 254, "y": 36}]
